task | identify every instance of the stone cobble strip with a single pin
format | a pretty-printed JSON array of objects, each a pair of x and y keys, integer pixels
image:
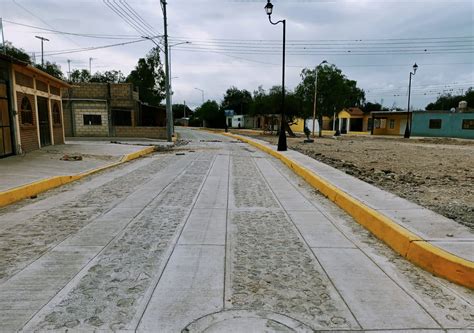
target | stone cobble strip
[
  {"x": 108, "y": 295},
  {"x": 249, "y": 189},
  {"x": 273, "y": 270},
  {"x": 23, "y": 242}
]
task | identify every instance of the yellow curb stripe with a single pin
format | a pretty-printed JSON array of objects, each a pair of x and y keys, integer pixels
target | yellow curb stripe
[
  {"x": 406, "y": 243},
  {"x": 37, "y": 187}
]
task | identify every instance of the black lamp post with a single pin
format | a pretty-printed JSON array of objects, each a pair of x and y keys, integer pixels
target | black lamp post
[
  {"x": 282, "y": 146},
  {"x": 408, "y": 127}
]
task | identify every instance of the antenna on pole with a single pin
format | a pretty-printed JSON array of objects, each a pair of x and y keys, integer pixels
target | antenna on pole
[
  {"x": 69, "y": 69},
  {"x": 42, "y": 52},
  {"x": 4, "y": 46}
]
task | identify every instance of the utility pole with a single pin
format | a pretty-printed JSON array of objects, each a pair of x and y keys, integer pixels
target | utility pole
[
  {"x": 42, "y": 52},
  {"x": 3, "y": 37},
  {"x": 184, "y": 113},
  {"x": 69, "y": 69},
  {"x": 169, "y": 115},
  {"x": 90, "y": 65}
]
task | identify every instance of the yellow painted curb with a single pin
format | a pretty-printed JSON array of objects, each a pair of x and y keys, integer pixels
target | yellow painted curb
[
  {"x": 32, "y": 189},
  {"x": 403, "y": 241}
]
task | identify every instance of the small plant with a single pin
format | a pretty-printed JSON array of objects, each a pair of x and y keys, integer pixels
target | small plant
[{"x": 307, "y": 132}]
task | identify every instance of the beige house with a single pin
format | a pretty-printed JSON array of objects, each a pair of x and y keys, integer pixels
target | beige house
[{"x": 30, "y": 108}]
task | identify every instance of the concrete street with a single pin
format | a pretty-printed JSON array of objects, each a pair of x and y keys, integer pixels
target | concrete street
[{"x": 213, "y": 236}]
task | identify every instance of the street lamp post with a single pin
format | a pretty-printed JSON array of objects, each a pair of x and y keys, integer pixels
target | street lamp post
[
  {"x": 408, "y": 127},
  {"x": 282, "y": 145},
  {"x": 315, "y": 96},
  {"x": 202, "y": 94}
]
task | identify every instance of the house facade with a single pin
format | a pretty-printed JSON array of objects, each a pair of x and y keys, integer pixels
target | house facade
[
  {"x": 389, "y": 122},
  {"x": 110, "y": 110},
  {"x": 30, "y": 108},
  {"x": 443, "y": 124}
]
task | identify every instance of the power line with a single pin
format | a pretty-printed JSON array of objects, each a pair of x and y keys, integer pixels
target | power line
[
  {"x": 39, "y": 18},
  {"x": 100, "y": 36},
  {"x": 92, "y": 48}
]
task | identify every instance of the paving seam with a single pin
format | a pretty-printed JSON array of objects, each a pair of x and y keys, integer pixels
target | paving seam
[
  {"x": 226, "y": 271},
  {"x": 175, "y": 241},
  {"x": 25, "y": 191},
  {"x": 428, "y": 256},
  {"x": 331, "y": 220},
  {"x": 306, "y": 243},
  {"x": 83, "y": 270}
]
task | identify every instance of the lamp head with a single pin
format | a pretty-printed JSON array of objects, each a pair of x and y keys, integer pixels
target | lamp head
[
  {"x": 415, "y": 67},
  {"x": 269, "y": 8}
]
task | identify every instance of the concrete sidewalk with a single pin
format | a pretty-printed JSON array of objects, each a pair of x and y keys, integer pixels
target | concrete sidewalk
[
  {"x": 427, "y": 226},
  {"x": 45, "y": 163}
]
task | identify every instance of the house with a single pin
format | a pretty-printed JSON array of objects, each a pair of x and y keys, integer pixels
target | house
[
  {"x": 352, "y": 120},
  {"x": 389, "y": 122},
  {"x": 110, "y": 110},
  {"x": 30, "y": 108},
  {"x": 443, "y": 124}
]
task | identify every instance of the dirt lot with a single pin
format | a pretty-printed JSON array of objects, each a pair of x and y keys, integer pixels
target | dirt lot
[{"x": 437, "y": 173}]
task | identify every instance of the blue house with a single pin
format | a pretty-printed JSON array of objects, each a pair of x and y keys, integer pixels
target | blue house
[{"x": 443, "y": 124}]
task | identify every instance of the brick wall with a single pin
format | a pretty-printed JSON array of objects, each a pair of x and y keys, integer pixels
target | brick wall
[
  {"x": 28, "y": 133},
  {"x": 67, "y": 118},
  {"x": 57, "y": 128},
  {"x": 81, "y": 108},
  {"x": 140, "y": 132}
]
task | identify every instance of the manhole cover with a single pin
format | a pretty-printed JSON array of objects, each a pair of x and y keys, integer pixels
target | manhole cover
[{"x": 236, "y": 321}]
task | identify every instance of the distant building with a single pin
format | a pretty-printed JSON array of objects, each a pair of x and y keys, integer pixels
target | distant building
[
  {"x": 425, "y": 123},
  {"x": 110, "y": 110},
  {"x": 30, "y": 108},
  {"x": 389, "y": 122},
  {"x": 443, "y": 124},
  {"x": 352, "y": 120}
]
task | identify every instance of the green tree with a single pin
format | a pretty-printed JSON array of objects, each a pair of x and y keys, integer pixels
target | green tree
[
  {"x": 446, "y": 102},
  {"x": 80, "y": 76},
  {"x": 335, "y": 91},
  {"x": 149, "y": 77},
  {"x": 369, "y": 107},
  {"x": 210, "y": 114},
  {"x": 16, "y": 53},
  {"x": 178, "y": 111},
  {"x": 52, "y": 69},
  {"x": 237, "y": 100},
  {"x": 112, "y": 76}
]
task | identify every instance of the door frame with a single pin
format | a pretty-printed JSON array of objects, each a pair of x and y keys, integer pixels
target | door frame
[
  {"x": 49, "y": 141},
  {"x": 10, "y": 119}
]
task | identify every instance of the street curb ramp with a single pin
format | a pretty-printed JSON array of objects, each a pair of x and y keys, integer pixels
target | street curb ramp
[
  {"x": 35, "y": 188},
  {"x": 411, "y": 246}
]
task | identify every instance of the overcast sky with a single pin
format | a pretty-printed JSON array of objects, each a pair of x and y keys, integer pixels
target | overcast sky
[{"x": 233, "y": 44}]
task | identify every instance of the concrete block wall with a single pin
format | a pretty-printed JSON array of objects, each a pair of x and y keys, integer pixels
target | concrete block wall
[
  {"x": 140, "y": 132},
  {"x": 87, "y": 90},
  {"x": 28, "y": 133},
  {"x": 81, "y": 108}
]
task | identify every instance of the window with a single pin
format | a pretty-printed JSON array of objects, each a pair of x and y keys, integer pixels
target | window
[
  {"x": 391, "y": 124},
  {"x": 92, "y": 119},
  {"x": 56, "y": 114},
  {"x": 468, "y": 124},
  {"x": 381, "y": 123},
  {"x": 122, "y": 117},
  {"x": 435, "y": 123},
  {"x": 26, "y": 112}
]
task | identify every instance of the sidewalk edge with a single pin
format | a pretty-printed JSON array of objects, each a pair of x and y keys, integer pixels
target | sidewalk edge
[
  {"x": 28, "y": 190},
  {"x": 406, "y": 243}
]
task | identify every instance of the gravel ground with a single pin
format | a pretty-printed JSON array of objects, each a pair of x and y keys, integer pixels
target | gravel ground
[{"x": 435, "y": 173}]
